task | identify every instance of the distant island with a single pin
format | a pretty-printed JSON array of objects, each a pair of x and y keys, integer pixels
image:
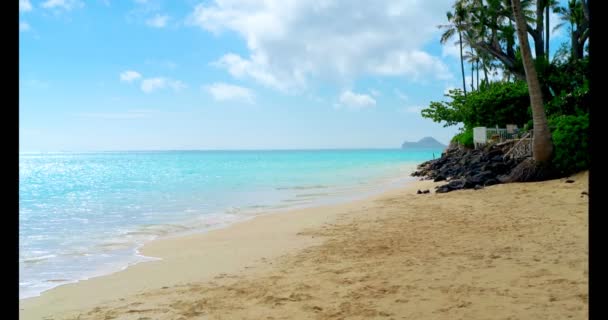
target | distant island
[{"x": 426, "y": 143}]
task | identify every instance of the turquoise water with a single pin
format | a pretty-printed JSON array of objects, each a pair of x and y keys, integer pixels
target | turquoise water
[{"x": 85, "y": 214}]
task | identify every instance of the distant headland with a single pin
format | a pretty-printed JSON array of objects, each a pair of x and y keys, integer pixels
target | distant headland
[{"x": 426, "y": 143}]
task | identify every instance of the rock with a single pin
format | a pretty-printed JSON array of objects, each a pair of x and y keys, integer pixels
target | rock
[
  {"x": 494, "y": 153},
  {"x": 478, "y": 186},
  {"x": 468, "y": 169},
  {"x": 456, "y": 184},
  {"x": 476, "y": 159},
  {"x": 569, "y": 181},
  {"x": 498, "y": 158},
  {"x": 498, "y": 168},
  {"x": 426, "y": 191},
  {"x": 491, "y": 182},
  {"x": 585, "y": 193},
  {"x": 504, "y": 178},
  {"x": 419, "y": 192},
  {"x": 439, "y": 178},
  {"x": 442, "y": 189}
]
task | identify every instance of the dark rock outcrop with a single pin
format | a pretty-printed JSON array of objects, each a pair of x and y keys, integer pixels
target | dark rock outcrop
[{"x": 468, "y": 169}]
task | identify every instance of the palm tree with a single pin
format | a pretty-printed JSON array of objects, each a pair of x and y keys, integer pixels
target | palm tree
[
  {"x": 549, "y": 4},
  {"x": 487, "y": 29},
  {"x": 542, "y": 144},
  {"x": 473, "y": 58},
  {"x": 452, "y": 28},
  {"x": 576, "y": 14}
]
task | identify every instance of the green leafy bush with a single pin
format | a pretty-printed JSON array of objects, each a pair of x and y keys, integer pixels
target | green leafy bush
[
  {"x": 571, "y": 141},
  {"x": 452, "y": 112},
  {"x": 465, "y": 138},
  {"x": 565, "y": 86},
  {"x": 498, "y": 103},
  {"x": 572, "y": 102}
]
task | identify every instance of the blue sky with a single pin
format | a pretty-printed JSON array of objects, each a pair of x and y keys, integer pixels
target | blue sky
[{"x": 230, "y": 74}]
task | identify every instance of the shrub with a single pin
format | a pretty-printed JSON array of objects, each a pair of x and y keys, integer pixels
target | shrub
[
  {"x": 572, "y": 102},
  {"x": 465, "y": 138},
  {"x": 571, "y": 141},
  {"x": 498, "y": 103}
]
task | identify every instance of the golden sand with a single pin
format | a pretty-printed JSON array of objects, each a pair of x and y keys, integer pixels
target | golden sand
[{"x": 512, "y": 251}]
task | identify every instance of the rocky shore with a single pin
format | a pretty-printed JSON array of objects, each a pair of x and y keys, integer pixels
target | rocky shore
[{"x": 469, "y": 169}]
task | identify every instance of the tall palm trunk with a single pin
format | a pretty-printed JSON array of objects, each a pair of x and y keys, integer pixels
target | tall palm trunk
[
  {"x": 477, "y": 67},
  {"x": 547, "y": 4},
  {"x": 485, "y": 73},
  {"x": 542, "y": 144},
  {"x": 464, "y": 86},
  {"x": 472, "y": 83}
]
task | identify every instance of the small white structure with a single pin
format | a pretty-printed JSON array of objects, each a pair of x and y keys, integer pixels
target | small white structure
[
  {"x": 512, "y": 128},
  {"x": 480, "y": 136}
]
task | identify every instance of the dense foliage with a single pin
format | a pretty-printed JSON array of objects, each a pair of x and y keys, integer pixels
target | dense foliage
[
  {"x": 487, "y": 33},
  {"x": 571, "y": 141},
  {"x": 566, "y": 87},
  {"x": 498, "y": 103},
  {"x": 465, "y": 138}
]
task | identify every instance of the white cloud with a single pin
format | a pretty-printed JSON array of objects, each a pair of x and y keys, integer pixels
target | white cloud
[
  {"x": 354, "y": 100},
  {"x": 176, "y": 85},
  {"x": 415, "y": 64},
  {"x": 448, "y": 88},
  {"x": 241, "y": 68},
  {"x": 450, "y": 49},
  {"x": 152, "y": 84},
  {"x": 25, "y": 5},
  {"x": 149, "y": 85},
  {"x": 62, "y": 4},
  {"x": 401, "y": 95},
  {"x": 495, "y": 74},
  {"x": 224, "y": 91},
  {"x": 292, "y": 41},
  {"x": 159, "y": 21},
  {"x": 129, "y": 76},
  {"x": 24, "y": 26},
  {"x": 375, "y": 92}
]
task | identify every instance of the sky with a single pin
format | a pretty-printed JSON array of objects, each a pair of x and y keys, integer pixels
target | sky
[{"x": 103, "y": 75}]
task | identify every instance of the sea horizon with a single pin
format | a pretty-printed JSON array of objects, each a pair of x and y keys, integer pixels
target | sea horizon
[{"x": 227, "y": 150}]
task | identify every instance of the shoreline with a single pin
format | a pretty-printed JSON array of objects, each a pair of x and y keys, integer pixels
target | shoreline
[
  {"x": 336, "y": 195},
  {"x": 152, "y": 256},
  {"x": 299, "y": 243}
]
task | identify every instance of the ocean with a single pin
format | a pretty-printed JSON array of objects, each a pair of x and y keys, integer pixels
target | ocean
[{"x": 83, "y": 215}]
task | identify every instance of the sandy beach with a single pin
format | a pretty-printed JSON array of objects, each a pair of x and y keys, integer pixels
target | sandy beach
[{"x": 512, "y": 251}]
